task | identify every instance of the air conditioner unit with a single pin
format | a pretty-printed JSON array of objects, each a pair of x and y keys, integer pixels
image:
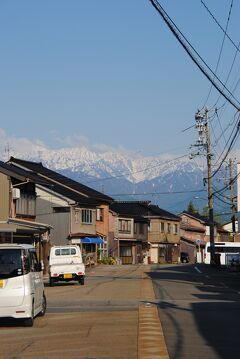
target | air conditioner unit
[{"x": 16, "y": 193}]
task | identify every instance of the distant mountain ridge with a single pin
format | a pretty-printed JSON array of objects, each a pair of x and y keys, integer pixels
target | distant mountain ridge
[{"x": 125, "y": 176}]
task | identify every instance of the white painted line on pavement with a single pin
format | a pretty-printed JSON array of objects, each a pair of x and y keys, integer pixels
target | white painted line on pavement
[{"x": 197, "y": 269}]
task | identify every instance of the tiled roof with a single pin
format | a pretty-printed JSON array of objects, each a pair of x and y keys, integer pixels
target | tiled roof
[
  {"x": 155, "y": 210},
  {"x": 20, "y": 173},
  {"x": 197, "y": 216},
  {"x": 141, "y": 208},
  {"x": 62, "y": 183}
]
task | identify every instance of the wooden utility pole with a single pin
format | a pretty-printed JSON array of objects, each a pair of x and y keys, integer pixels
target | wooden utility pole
[
  {"x": 232, "y": 199},
  {"x": 204, "y": 142}
]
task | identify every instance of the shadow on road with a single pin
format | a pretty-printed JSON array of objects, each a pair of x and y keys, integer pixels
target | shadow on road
[{"x": 214, "y": 307}]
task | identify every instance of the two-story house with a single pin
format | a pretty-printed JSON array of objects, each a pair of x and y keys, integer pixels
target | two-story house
[
  {"x": 130, "y": 228},
  {"x": 158, "y": 230},
  {"x": 18, "y": 209},
  {"x": 163, "y": 234},
  {"x": 195, "y": 232},
  {"x": 76, "y": 212}
]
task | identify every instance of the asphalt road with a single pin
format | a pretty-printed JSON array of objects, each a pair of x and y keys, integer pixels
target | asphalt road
[
  {"x": 99, "y": 320},
  {"x": 199, "y": 307}
]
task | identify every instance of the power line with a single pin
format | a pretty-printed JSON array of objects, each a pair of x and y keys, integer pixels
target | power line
[
  {"x": 185, "y": 43},
  {"x": 152, "y": 193},
  {"x": 229, "y": 148},
  {"x": 220, "y": 53},
  {"x": 220, "y": 26}
]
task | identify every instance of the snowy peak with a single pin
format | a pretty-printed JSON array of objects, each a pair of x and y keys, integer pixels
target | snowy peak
[{"x": 108, "y": 163}]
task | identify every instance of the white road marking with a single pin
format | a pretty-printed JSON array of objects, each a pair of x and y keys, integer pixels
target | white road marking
[{"x": 197, "y": 269}]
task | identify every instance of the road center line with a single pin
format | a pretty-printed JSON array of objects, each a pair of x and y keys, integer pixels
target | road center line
[{"x": 197, "y": 269}]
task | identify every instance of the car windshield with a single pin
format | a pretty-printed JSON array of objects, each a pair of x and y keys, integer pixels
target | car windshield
[{"x": 10, "y": 263}]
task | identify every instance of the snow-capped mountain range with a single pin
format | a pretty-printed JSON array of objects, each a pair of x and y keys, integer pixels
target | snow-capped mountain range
[{"x": 123, "y": 175}]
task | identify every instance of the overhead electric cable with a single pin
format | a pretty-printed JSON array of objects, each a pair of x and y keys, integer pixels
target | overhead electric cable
[
  {"x": 184, "y": 42},
  {"x": 220, "y": 53},
  {"x": 226, "y": 81},
  {"x": 223, "y": 133},
  {"x": 152, "y": 193},
  {"x": 228, "y": 150},
  {"x": 217, "y": 22},
  {"x": 233, "y": 180},
  {"x": 236, "y": 123}
]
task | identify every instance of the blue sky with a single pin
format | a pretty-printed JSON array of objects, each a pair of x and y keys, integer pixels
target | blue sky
[{"x": 109, "y": 72}]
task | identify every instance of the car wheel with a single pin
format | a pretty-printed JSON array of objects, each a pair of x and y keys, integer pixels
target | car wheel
[
  {"x": 81, "y": 281},
  {"x": 51, "y": 282},
  {"x": 44, "y": 306}
]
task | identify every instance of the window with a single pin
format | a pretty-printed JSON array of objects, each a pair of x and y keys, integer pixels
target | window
[
  {"x": 61, "y": 209},
  {"x": 100, "y": 214},
  {"x": 76, "y": 215},
  {"x": 124, "y": 226},
  {"x": 87, "y": 216},
  {"x": 10, "y": 263},
  {"x": 169, "y": 227},
  {"x": 135, "y": 227},
  {"x": 26, "y": 205},
  {"x": 125, "y": 251},
  {"x": 162, "y": 227},
  {"x": 141, "y": 228},
  {"x": 65, "y": 251},
  {"x": 33, "y": 261},
  {"x": 175, "y": 229}
]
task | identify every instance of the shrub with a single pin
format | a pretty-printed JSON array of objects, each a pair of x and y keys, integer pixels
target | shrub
[{"x": 108, "y": 260}]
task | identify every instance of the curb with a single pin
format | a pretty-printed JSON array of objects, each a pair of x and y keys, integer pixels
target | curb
[{"x": 151, "y": 341}]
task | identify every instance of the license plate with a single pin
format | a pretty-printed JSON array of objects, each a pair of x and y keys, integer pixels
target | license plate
[
  {"x": 1, "y": 283},
  {"x": 67, "y": 276}
]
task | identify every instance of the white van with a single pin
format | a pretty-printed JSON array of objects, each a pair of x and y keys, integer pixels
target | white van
[
  {"x": 21, "y": 283},
  {"x": 66, "y": 264}
]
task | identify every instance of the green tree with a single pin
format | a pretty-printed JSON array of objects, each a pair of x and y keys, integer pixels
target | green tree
[{"x": 191, "y": 208}]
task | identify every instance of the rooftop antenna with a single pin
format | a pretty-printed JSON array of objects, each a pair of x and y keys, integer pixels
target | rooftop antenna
[{"x": 7, "y": 151}]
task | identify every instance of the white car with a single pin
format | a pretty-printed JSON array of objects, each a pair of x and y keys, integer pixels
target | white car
[
  {"x": 21, "y": 283},
  {"x": 66, "y": 264}
]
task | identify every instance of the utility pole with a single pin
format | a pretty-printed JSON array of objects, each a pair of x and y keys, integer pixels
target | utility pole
[
  {"x": 204, "y": 143},
  {"x": 232, "y": 198}
]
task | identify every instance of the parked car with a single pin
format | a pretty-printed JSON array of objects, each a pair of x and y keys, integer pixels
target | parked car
[
  {"x": 184, "y": 257},
  {"x": 66, "y": 264},
  {"x": 21, "y": 283}
]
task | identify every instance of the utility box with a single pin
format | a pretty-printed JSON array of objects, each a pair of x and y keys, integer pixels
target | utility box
[{"x": 16, "y": 194}]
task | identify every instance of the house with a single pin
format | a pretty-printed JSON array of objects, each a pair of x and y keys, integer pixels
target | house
[
  {"x": 195, "y": 233},
  {"x": 76, "y": 212},
  {"x": 18, "y": 222},
  {"x": 129, "y": 241},
  {"x": 160, "y": 244},
  {"x": 163, "y": 233},
  {"x": 229, "y": 228}
]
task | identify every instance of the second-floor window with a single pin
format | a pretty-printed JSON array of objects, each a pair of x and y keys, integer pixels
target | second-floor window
[
  {"x": 141, "y": 228},
  {"x": 162, "y": 227},
  {"x": 26, "y": 205},
  {"x": 135, "y": 228},
  {"x": 99, "y": 214},
  {"x": 124, "y": 226},
  {"x": 87, "y": 216},
  {"x": 169, "y": 227},
  {"x": 175, "y": 229},
  {"x": 76, "y": 215}
]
